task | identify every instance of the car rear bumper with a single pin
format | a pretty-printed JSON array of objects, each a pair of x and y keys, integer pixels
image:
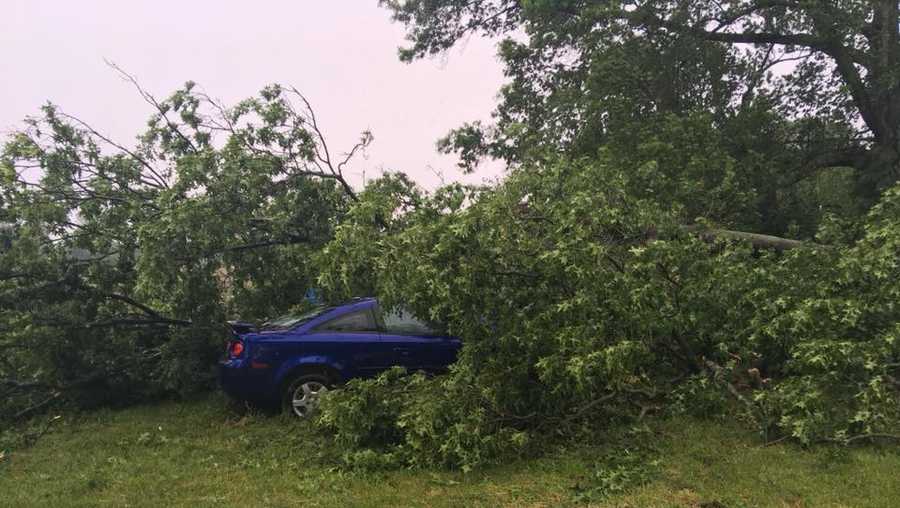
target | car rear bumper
[
  {"x": 241, "y": 382},
  {"x": 232, "y": 374}
]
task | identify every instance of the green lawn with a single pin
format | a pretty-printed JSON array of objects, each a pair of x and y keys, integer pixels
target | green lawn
[{"x": 200, "y": 454}]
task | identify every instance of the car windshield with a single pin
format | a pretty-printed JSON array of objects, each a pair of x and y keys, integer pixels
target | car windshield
[{"x": 291, "y": 320}]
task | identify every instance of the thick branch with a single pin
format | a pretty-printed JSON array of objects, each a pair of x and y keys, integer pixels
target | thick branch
[
  {"x": 846, "y": 66},
  {"x": 134, "y": 303},
  {"x": 155, "y": 316},
  {"x": 757, "y": 240},
  {"x": 846, "y": 58},
  {"x": 23, "y": 385},
  {"x": 851, "y": 157},
  {"x": 268, "y": 243},
  {"x": 113, "y": 323}
]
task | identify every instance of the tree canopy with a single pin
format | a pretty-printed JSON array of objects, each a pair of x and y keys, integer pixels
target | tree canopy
[{"x": 807, "y": 86}]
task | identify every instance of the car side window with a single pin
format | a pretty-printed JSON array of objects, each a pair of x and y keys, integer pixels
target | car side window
[
  {"x": 359, "y": 321},
  {"x": 402, "y": 322}
]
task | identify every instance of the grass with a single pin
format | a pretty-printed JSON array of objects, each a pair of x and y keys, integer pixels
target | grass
[{"x": 200, "y": 454}]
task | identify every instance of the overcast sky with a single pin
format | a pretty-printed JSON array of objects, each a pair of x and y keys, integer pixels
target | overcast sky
[{"x": 342, "y": 54}]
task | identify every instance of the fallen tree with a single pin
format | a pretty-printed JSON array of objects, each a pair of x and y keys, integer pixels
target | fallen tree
[
  {"x": 120, "y": 262},
  {"x": 574, "y": 317}
]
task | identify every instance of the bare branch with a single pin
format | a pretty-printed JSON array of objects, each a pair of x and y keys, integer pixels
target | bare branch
[
  {"x": 160, "y": 181},
  {"x": 325, "y": 155},
  {"x": 150, "y": 99},
  {"x": 365, "y": 140}
]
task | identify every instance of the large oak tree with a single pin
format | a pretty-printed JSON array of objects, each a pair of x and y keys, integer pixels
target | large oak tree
[{"x": 831, "y": 69}]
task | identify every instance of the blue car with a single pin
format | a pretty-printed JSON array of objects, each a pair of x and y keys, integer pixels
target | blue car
[{"x": 292, "y": 360}]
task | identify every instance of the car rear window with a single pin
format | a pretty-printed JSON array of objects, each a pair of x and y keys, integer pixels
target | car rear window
[
  {"x": 292, "y": 320},
  {"x": 359, "y": 321}
]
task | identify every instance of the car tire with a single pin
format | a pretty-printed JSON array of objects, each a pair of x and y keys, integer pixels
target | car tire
[{"x": 301, "y": 396}]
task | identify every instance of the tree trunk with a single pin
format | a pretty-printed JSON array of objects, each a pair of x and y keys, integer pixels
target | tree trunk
[{"x": 880, "y": 169}]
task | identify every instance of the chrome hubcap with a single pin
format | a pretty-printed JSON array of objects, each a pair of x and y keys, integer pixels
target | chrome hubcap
[{"x": 306, "y": 397}]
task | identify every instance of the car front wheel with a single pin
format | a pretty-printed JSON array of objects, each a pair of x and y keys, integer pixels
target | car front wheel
[{"x": 301, "y": 397}]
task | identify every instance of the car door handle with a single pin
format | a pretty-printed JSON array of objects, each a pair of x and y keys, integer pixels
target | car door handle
[{"x": 402, "y": 350}]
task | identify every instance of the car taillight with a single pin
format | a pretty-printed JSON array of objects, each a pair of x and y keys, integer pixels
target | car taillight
[{"x": 235, "y": 349}]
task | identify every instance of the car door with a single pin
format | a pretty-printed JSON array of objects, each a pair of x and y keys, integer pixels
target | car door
[
  {"x": 354, "y": 340},
  {"x": 413, "y": 342}
]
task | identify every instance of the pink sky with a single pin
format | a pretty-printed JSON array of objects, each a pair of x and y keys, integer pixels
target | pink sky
[{"x": 342, "y": 54}]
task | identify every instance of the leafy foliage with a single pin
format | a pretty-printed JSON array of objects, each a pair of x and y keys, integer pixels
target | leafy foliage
[{"x": 618, "y": 472}]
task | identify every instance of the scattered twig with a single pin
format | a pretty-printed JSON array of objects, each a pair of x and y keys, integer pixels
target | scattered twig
[
  {"x": 776, "y": 441},
  {"x": 30, "y": 440},
  {"x": 36, "y": 407}
]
